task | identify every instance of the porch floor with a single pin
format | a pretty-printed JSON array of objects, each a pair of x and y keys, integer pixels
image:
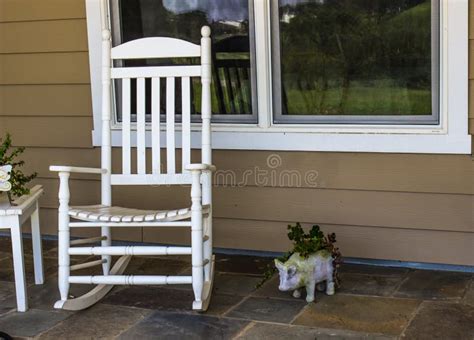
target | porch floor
[{"x": 373, "y": 302}]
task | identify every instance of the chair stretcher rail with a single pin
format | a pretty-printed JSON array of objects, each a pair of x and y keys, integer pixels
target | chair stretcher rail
[
  {"x": 130, "y": 280},
  {"x": 128, "y": 224},
  {"x": 130, "y": 250}
]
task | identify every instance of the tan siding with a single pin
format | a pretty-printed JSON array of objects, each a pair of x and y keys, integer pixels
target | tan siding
[
  {"x": 345, "y": 207},
  {"x": 45, "y": 68},
  {"x": 43, "y": 36},
  {"x": 387, "y": 206},
  {"x": 35, "y": 100},
  {"x": 60, "y": 132},
  {"x": 355, "y": 241},
  {"x": 349, "y": 171},
  {"x": 26, "y": 10}
]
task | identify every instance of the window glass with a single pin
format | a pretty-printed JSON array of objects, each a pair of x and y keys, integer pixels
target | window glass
[
  {"x": 231, "y": 23},
  {"x": 355, "y": 60}
]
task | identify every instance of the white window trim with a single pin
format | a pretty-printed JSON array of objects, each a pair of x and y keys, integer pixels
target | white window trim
[{"x": 450, "y": 136}]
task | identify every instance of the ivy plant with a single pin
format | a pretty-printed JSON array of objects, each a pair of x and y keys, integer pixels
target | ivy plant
[
  {"x": 306, "y": 244},
  {"x": 9, "y": 156}
]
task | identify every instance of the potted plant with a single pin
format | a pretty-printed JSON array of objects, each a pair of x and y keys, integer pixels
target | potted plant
[
  {"x": 312, "y": 263},
  {"x": 12, "y": 180}
]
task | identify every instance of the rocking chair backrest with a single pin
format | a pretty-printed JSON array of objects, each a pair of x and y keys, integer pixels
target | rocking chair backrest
[{"x": 152, "y": 48}]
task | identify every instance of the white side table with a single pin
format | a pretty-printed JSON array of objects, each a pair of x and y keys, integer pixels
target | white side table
[{"x": 13, "y": 217}]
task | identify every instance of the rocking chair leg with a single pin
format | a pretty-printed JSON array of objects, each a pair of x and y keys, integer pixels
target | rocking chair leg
[
  {"x": 197, "y": 239},
  {"x": 63, "y": 237},
  {"x": 208, "y": 247},
  {"x": 105, "y": 231}
]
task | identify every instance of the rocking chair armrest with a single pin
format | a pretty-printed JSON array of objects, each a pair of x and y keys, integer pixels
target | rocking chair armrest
[
  {"x": 60, "y": 168},
  {"x": 200, "y": 167}
]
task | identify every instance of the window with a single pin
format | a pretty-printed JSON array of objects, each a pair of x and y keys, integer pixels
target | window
[
  {"x": 358, "y": 61},
  {"x": 315, "y": 75},
  {"x": 231, "y": 22}
]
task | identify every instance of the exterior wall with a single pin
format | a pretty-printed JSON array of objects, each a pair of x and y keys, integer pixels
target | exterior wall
[{"x": 386, "y": 206}]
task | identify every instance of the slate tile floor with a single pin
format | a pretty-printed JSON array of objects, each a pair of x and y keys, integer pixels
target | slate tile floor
[{"x": 373, "y": 303}]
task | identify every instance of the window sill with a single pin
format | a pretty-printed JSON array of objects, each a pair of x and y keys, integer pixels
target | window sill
[{"x": 282, "y": 139}]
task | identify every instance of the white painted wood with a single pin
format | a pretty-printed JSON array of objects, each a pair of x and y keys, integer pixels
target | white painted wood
[
  {"x": 59, "y": 168},
  {"x": 12, "y": 218},
  {"x": 63, "y": 236},
  {"x": 105, "y": 215},
  {"x": 186, "y": 122},
  {"x": 155, "y": 126},
  {"x": 156, "y": 71},
  {"x": 87, "y": 265},
  {"x": 86, "y": 240},
  {"x": 126, "y": 128},
  {"x": 207, "y": 289},
  {"x": 141, "y": 153},
  {"x": 147, "y": 48},
  {"x": 170, "y": 224},
  {"x": 170, "y": 128},
  {"x": 37, "y": 246},
  {"x": 163, "y": 179},
  {"x": 95, "y": 294},
  {"x": 130, "y": 250},
  {"x": 106, "y": 149},
  {"x": 19, "y": 266},
  {"x": 196, "y": 236},
  {"x": 131, "y": 279}
]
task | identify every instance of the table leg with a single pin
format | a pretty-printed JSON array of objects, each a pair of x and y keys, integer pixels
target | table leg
[
  {"x": 19, "y": 267},
  {"x": 37, "y": 248}
]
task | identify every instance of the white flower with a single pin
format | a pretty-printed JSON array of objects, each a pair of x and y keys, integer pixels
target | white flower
[{"x": 5, "y": 170}]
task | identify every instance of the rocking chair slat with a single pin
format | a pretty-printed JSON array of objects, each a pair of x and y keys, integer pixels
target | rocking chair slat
[
  {"x": 141, "y": 153},
  {"x": 170, "y": 137},
  {"x": 186, "y": 122},
  {"x": 126, "y": 168},
  {"x": 155, "y": 126}
]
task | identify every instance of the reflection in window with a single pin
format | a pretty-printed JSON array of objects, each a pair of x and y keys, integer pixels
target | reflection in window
[
  {"x": 233, "y": 51},
  {"x": 372, "y": 60}
]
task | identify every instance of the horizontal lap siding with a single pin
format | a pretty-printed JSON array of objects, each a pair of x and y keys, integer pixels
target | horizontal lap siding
[{"x": 387, "y": 206}]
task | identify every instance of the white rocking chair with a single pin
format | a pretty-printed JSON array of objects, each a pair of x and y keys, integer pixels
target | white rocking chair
[{"x": 198, "y": 217}]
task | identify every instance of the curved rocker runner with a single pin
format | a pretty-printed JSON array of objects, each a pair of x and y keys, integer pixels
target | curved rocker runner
[{"x": 197, "y": 218}]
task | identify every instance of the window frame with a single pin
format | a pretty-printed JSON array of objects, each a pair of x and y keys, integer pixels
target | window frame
[
  {"x": 433, "y": 119},
  {"x": 115, "y": 25},
  {"x": 449, "y": 136}
]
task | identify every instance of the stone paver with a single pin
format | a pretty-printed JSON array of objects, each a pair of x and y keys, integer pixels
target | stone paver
[
  {"x": 7, "y": 274},
  {"x": 469, "y": 296},
  {"x": 6, "y": 289},
  {"x": 155, "y": 266},
  {"x": 241, "y": 264},
  {"x": 270, "y": 289},
  {"x": 44, "y": 296},
  {"x": 6, "y": 245},
  {"x": 31, "y": 323},
  {"x": 262, "y": 309},
  {"x": 260, "y": 331},
  {"x": 360, "y": 313},
  {"x": 428, "y": 284},
  {"x": 375, "y": 285},
  {"x": 373, "y": 303},
  {"x": 442, "y": 320},
  {"x": 162, "y": 325},
  {"x": 98, "y": 322},
  {"x": 373, "y": 270},
  {"x": 168, "y": 299}
]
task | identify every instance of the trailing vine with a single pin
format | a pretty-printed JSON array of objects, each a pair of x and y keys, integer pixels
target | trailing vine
[
  {"x": 18, "y": 180},
  {"x": 306, "y": 244}
]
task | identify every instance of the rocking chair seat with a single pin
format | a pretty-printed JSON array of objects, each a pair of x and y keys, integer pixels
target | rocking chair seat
[{"x": 103, "y": 213}]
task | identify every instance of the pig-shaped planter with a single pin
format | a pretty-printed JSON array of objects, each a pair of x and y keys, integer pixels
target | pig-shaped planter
[{"x": 299, "y": 272}]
